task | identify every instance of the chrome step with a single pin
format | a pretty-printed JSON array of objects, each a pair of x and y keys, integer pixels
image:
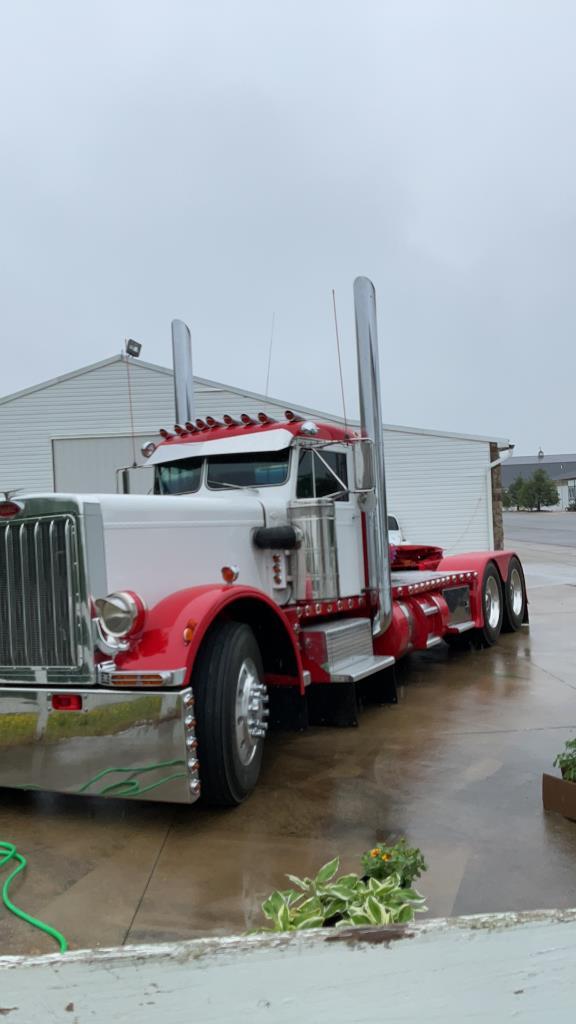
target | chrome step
[
  {"x": 342, "y": 650},
  {"x": 461, "y": 627},
  {"x": 433, "y": 641},
  {"x": 351, "y": 670},
  {"x": 429, "y": 609}
]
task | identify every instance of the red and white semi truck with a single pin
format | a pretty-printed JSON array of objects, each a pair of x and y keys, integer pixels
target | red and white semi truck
[{"x": 146, "y": 639}]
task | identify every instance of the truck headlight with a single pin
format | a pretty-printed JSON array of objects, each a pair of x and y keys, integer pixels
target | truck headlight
[{"x": 121, "y": 614}]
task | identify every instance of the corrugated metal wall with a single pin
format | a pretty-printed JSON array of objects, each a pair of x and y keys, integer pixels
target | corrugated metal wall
[
  {"x": 440, "y": 489},
  {"x": 438, "y": 485}
]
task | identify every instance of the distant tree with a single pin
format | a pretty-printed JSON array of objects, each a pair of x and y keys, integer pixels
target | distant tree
[
  {"x": 543, "y": 490},
  {"x": 528, "y": 494},
  {"x": 506, "y": 499},
  {"x": 516, "y": 493}
]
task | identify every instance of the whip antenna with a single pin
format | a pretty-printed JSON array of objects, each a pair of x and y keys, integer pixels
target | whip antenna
[
  {"x": 339, "y": 361},
  {"x": 270, "y": 354}
]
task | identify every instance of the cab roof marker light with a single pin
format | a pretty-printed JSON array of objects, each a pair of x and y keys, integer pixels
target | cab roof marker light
[
  {"x": 213, "y": 423},
  {"x": 247, "y": 420},
  {"x": 265, "y": 418},
  {"x": 191, "y": 428},
  {"x": 292, "y": 417},
  {"x": 230, "y": 421},
  {"x": 201, "y": 424},
  {"x": 165, "y": 433},
  {"x": 178, "y": 429}
]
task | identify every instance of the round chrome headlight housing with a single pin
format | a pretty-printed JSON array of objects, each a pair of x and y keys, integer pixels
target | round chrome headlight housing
[{"x": 121, "y": 614}]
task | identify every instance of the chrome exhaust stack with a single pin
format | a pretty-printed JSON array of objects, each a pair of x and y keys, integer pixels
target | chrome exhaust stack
[
  {"x": 183, "y": 378},
  {"x": 371, "y": 425}
]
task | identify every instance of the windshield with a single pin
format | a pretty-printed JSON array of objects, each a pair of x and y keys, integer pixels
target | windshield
[
  {"x": 261, "y": 469},
  {"x": 181, "y": 477}
]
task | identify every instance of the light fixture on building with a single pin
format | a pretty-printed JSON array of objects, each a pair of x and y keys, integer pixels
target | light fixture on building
[
  {"x": 133, "y": 348},
  {"x": 540, "y": 453}
]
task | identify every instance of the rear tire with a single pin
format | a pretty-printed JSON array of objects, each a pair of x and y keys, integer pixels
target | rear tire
[
  {"x": 231, "y": 713},
  {"x": 492, "y": 606},
  {"x": 492, "y": 597},
  {"x": 514, "y": 597}
]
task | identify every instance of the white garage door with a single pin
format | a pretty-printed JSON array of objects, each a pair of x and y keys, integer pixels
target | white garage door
[{"x": 89, "y": 465}]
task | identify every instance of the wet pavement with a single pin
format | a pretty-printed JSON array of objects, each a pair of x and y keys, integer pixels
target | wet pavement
[{"x": 456, "y": 766}]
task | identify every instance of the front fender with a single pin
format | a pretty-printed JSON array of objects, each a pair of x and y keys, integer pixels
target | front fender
[{"x": 163, "y": 645}]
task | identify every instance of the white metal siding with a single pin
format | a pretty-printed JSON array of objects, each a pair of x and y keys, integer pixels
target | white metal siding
[
  {"x": 438, "y": 485},
  {"x": 440, "y": 489}
]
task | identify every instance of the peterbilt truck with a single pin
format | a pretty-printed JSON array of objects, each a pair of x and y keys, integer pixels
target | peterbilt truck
[{"x": 147, "y": 640}]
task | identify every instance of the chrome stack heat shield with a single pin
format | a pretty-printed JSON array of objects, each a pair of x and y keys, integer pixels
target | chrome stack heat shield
[
  {"x": 183, "y": 378},
  {"x": 371, "y": 425}
]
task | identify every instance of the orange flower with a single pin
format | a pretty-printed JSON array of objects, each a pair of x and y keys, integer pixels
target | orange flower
[
  {"x": 385, "y": 856},
  {"x": 373, "y": 853}
]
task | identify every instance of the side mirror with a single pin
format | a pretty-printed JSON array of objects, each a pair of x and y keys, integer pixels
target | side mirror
[
  {"x": 363, "y": 451},
  {"x": 135, "y": 480}
]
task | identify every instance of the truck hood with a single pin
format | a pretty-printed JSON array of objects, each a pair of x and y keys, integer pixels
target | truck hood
[{"x": 156, "y": 544}]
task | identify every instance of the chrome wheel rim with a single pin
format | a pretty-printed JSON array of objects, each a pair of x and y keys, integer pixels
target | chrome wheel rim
[
  {"x": 516, "y": 593},
  {"x": 492, "y": 603},
  {"x": 251, "y": 712}
]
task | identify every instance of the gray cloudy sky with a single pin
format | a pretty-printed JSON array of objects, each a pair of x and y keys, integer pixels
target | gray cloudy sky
[{"x": 220, "y": 160}]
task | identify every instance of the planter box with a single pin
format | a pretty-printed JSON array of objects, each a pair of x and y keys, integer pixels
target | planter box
[{"x": 559, "y": 795}]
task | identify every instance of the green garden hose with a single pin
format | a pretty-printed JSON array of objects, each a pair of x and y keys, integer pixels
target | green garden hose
[
  {"x": 8, "y": 852},
  {"x": 123, "y": 787}
]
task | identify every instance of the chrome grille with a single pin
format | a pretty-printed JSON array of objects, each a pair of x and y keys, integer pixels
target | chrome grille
[{"x": 39, "y": 592}]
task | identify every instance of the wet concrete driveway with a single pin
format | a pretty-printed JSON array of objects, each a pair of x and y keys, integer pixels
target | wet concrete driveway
[{"x": 456, "y": 767}]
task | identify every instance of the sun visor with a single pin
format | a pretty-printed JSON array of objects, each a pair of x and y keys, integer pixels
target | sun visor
[{"x": 267, "y": 441}]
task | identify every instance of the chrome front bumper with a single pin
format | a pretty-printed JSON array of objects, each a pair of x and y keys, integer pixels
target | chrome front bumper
[{"x": 139, "y": 745}]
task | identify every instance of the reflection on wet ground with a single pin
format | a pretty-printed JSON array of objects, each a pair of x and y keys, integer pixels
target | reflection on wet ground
[{"x": 456, "y": 767}]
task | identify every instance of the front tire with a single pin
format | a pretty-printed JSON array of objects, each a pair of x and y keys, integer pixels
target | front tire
[{"x": 231, "y": 712}]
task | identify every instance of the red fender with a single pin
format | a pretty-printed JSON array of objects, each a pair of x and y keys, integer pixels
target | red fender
[
  {"x": 476, "y": 561},
  {"x": 163, "y": 645}
]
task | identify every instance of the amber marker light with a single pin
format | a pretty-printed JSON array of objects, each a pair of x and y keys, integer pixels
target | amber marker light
[
  {"x": 230, "y": 573},
  {"x": 188, "y": 631}
]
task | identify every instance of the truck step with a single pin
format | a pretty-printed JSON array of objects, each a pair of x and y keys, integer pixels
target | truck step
[
  {"x": 352, "y": 670},
  {"x": 342, "y": 651},
  {"x": 461, "y": 627}
]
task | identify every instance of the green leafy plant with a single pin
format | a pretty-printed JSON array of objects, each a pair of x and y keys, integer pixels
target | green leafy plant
[
  {"x": 399, "y": 859},
  {"x": 327, "y": 900},
  {"x": 566, "y": 761}
]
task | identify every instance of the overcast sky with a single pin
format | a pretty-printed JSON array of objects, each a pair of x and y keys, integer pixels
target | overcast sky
[{"x": 224, "y": 160}]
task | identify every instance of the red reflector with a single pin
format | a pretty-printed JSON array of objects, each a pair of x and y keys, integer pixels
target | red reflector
[
  {"x": 10, "y": 508},
  {"x": 67, "y": 702}
]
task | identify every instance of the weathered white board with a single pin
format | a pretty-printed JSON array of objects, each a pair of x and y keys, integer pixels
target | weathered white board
[{"x": 495, "y": 968}]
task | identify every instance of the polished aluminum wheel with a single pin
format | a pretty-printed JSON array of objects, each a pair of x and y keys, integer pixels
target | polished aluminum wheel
[
  {"x": 492, "y": 603},
  {"x": 516, "y": 592},
  {"x": 251, "y": 711}
]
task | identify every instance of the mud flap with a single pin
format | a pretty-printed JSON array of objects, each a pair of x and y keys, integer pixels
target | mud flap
[
  {"x": 380, "y": 688},
  {"x": 288, "y": 708},
  {"x": 333, "y": 704}
]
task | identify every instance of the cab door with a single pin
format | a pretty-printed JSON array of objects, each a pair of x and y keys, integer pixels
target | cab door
[{"x": 324, "y": 472}]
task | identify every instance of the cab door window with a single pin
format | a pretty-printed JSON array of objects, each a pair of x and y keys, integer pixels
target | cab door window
[{"x": 322, "y": 474}]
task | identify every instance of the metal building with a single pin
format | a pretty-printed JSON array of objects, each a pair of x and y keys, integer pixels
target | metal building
[{"x": 74, "y": 432}]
